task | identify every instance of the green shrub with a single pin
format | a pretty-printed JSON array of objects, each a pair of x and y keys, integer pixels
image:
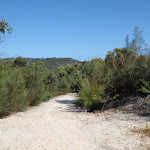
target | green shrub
[
  {"x": 63, "y": 85},
  {"x": 92, "y": 96},
  {"x": 12, "y": 91},
  {"x": 21, "y": 62},
  {"x": 145, "y": 88},
  {"x": 35, "y": 86},
  {"x": 76, "y": 80}
]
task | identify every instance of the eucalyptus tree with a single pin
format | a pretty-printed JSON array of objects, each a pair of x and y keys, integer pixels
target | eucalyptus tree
[
  {"x": 5, "y": 29},
  {"x": 137, "y": 44}
]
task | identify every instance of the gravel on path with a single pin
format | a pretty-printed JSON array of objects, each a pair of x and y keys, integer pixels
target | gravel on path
[{"x": 58, "y": 125}]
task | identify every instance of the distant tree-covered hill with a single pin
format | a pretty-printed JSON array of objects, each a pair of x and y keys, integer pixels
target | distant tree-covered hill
[{"x": 50, "y": 63}]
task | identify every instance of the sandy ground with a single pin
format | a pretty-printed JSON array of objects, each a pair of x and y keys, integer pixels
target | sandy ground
[{"x": 58, "y": 125}]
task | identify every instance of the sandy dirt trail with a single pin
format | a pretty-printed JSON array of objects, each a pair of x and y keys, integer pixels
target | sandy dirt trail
[{"x": 58, "y": 125}]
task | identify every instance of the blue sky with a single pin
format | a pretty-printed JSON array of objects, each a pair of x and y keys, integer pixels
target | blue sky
[{"x": 81, "y": 29}]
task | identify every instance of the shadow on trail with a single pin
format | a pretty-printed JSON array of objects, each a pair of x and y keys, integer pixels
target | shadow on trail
[
  {"x": 71, "y": 107},
  {"x": 65, "y": 101}
]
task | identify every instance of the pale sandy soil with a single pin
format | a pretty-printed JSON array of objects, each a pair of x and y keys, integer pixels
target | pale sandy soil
[{"x": 58, "y": 125}]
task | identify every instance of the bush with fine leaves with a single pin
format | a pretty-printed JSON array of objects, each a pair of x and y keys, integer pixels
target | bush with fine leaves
[
  {"x": 13, "y": 91},
  {"x": 92, "y": 96}
]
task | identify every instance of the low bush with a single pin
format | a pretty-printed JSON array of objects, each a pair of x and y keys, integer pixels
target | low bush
[
  {"x": 13, "y": 91},
  {"x": 92, "y": 96}
]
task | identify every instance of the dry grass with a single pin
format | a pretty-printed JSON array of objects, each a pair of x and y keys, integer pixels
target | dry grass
[{"x": 145, "y": 131}]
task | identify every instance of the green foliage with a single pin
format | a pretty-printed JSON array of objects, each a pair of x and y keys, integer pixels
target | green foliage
[
  {"x": 4, "y": 28},
  {"x": 124, "y": 74},
  {"x": 137, "y": 44},
  {"x": 12, "y": 91},
  {"x": 63, "y": 85},
  {"x": 50, "y": 63},
  {"x": 92, "y": 96},
  {"x": 21, "y": 62},
  {"x": 62, "y": 74},
  {"x": 20, "y": 87},
  {"x": 76, "y": 80},
  {"x": 34, "y": 76},
  {"x": 51, "y": 81},
  {"x": 26, "y": 81},
  {"x": 145, "y": 88},
  {"x": 120, "y": 74}
]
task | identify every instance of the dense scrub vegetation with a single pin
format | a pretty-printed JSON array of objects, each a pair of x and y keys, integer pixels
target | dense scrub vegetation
[
  {"x": 124, "y": 72},
  {"x": 50, "y": 63},
  {"x": 22, "y": 85},
  {"x": 121, "y": 74}
]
